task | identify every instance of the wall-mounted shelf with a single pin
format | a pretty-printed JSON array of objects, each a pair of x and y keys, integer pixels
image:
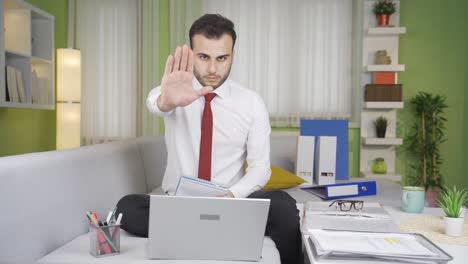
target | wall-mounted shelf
[
  {"x": 28, "y": 49},
  {"x": 386, "y": 68},
  {"x": 376, "y": 39},
  {"x": 382, "y": 141},
  {"x": 28, "y": 105},
  {"x": 17, "y": 53},
  {"x": 383, "y": 105},
  {"x": 37, "y": 60},
  {"x": 372, "y": 176},
  {"x": 386, "y": 30}
]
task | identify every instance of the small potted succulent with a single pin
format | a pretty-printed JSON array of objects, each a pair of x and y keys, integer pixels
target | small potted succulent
[
  {"x": 451, "y": 201},
  {"x": 383, "y": 9},
  {"x": 381, "y": 124}
]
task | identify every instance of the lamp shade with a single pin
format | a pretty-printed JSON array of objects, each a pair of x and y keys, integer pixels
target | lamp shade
[
  {"x": 68, "y": 125},
  {"x": 68, "y": 75},
  {"x": 68, "y": 98}
]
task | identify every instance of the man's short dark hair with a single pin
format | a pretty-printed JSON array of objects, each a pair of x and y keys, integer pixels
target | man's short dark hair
[{"x": 213, "y": 26}]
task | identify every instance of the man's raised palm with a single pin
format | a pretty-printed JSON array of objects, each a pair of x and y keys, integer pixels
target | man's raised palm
[{"x": 176, "y": 85}]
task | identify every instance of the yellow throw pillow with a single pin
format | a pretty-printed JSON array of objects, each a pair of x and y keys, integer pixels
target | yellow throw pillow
[{"x": 281, "y": 179}]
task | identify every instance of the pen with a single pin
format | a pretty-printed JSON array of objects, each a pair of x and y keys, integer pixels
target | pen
[
  {"x": 116, "y": 226},
  {"x": 88, "y": 213},
  {"x": 109, "y": 217},
  {"x": 113, "y": 213},
  {"x": 119, "y": 218}
]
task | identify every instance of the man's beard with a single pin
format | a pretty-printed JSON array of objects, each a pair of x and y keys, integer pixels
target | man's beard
[{"x": 222, "y": 79}]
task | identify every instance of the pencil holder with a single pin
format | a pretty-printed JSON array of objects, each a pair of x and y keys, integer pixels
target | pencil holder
[{"x": 104, "y": 240}]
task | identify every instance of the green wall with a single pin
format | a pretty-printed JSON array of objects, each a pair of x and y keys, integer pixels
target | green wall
[
  {"x": 434, "y": 51},
  {"x": 27, "y": 130}
]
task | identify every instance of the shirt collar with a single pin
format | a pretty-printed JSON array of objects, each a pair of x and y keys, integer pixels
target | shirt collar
[{"x": 222, "y": 91}]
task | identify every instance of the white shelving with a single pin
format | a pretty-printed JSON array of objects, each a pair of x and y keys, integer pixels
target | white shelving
[
  {"x": 386, "y": 30},
  {"x": 27, "y": 45},
  {"x": 374, "y": 39},
  {"x": 383, "y": 105},
  {"x": 382, "y": 141},
  {"x": 17, "y": 53},
  {"x": 386, "y": 68}
]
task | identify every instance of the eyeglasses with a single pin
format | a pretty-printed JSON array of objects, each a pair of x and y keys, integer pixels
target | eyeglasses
[{"x": 347, "y": 205}]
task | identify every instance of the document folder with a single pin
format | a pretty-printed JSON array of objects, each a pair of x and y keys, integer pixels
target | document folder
[
  {"x": 325, "y": 161},
  {"x": 343, "y": 190},
  {"x": 305, "y": 158}
]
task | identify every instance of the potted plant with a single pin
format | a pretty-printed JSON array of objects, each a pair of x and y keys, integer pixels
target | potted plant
[
  {"x": 451, "y": 201},
  {"x": 383, "y": 9},
  {"x": 381, "y": 124},
  {"x": 424, "y": 140}
]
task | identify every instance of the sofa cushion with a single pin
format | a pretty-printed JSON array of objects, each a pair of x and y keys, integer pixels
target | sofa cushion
[
  {"x": 283, "y": 151},
  {"x": 154, "y": 155},
  {"x": 281, "y": 179}
]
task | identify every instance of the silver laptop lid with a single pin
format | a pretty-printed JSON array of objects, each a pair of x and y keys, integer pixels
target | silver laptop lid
[{"x": 206, "y": 228}]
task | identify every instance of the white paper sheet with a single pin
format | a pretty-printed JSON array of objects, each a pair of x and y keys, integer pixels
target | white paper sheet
[{"x": 197, "y": 187}]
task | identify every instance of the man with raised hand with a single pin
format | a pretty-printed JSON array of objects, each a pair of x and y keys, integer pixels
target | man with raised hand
[{"x": 213, "y": 126}]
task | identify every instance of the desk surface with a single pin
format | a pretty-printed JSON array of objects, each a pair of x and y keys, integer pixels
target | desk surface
[
  {"x": 133, "y": 250},
  {"x": 457, "y": 252}
]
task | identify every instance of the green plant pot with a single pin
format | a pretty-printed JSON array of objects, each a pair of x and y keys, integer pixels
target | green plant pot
[
  {"x": 380, "y": 132},
  {"x": 379, "y": 166}
]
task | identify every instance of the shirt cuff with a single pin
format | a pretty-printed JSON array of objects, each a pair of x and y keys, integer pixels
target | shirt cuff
[
  {"x": 151, "y": 102},
  {"x": 240, "y": 191}
]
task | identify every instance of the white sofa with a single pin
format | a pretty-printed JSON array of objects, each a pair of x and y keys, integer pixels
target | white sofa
[{"x": 44, "y": 197}]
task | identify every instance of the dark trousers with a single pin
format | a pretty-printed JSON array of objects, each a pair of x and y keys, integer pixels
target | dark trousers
[{"x": 282, "y": 224}]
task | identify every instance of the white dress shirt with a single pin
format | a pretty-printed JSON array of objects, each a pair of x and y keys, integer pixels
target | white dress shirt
[{"x": 241, "y": 131}]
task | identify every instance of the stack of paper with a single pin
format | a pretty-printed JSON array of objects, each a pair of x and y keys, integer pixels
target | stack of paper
[
  {"x": 379, "y": 247},
  {"x": 319, "y": 215}
]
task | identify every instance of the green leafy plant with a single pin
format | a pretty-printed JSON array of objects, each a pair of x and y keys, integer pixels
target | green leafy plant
[
  {"x": 425, "y": 138},
  {"x": 381, "y": 122},
  {"x": 451, "y": 200},
  {"x": 384, "y": 7}
]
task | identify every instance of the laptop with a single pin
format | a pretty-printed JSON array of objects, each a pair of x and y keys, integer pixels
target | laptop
[{"x": 206, "y": 228}]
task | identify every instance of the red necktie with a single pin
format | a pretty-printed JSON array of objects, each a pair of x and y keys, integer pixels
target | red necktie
[{"x": 204, "y": 163}]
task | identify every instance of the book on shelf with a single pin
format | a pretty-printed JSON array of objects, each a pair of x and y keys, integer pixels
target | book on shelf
[
  {"x": 383, "y": 93},
  {"x": 7, "y": 94},
  {"x": 41, "y": 90},
  {"x": 41, "y": 94},
  {"x": 12, "y": 84},
  {"x": 20, "y": 86},
  {"x": 34, "y": 88},
  {"x": 384, "y": 78},
  {"x": 44, "y": 91}
]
